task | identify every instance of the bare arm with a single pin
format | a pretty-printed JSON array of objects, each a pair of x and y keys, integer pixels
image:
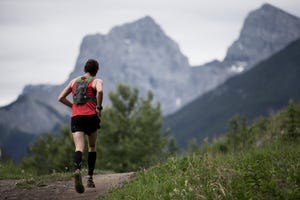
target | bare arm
[
  {"x": 99, "y": 94},
  {"x": 62, "y": 97}
]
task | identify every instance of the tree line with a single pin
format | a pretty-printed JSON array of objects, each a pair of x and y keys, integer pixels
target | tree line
[{"x": 242, "y": 135}]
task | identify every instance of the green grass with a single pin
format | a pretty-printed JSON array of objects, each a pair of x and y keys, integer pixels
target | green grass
[
  {"x": 9, "y": 170},
  {"x": 271, "y": 172}
]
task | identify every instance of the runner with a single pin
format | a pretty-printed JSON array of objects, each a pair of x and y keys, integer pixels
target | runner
[{"x": 87, "y": 92}]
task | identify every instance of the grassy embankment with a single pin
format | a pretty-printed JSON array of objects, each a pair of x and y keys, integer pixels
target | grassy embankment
[
  {"x": 272, "y": 172},
  {"x": 257, "y": 161}
]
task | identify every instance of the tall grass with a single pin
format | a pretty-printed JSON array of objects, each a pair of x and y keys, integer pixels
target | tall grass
[
  {"x": 10, "y": 170},
  {"x": 271, "y": 172}
]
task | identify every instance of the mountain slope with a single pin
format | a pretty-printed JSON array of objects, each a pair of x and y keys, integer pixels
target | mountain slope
[{"x": 260, "y": 91}]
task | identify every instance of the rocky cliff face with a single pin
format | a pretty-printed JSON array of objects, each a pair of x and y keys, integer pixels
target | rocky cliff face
[{"x": 141, "y": 55}]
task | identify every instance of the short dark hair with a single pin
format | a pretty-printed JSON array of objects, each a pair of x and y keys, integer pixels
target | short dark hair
[{"x": 91, "y": 66}]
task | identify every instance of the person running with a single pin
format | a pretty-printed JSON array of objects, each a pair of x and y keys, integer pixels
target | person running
[{"x": 87, "y": 92}]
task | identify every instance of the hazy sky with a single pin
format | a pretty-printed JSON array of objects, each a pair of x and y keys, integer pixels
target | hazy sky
[{"x": 40, "y": 39}]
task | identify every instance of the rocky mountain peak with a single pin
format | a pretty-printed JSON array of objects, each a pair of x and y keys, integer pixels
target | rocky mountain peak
[
  {"x": 269, "y": 7},
  {"x": 146, "y": 23},
  {"x": 143, "y": 30},
  {"x": 265, "y": 31},
  {"x": 140, "y": 54}
]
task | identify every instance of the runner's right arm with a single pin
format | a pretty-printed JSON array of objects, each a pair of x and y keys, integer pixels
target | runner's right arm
[
  {"x": 99, "y": 94},
  {"x": 62, "y": 97}
]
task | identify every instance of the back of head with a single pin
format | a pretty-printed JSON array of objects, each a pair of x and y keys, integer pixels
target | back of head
[{"x": 91, "y": 66}]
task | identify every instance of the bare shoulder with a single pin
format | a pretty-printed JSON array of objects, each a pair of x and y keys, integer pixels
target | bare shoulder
[
  {"x": 98, "y": 84},
  {"x": 98, "y": 81}
]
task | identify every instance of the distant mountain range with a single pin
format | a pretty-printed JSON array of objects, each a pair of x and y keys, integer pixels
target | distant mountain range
[
  {"x": 142, "y": 55},
  {"x": 261, "y": 91}
]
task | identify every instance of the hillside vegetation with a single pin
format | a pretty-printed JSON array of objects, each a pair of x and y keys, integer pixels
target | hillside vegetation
[
  {"x": 251, "y": 161},
  {"x": 264, "y": 89}
]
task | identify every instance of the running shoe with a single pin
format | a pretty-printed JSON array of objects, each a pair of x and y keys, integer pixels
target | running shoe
[{"x": 78, "y": 182}]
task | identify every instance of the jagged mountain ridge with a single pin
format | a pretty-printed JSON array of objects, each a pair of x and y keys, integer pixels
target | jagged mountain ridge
[{"x": 265, "y": 31}]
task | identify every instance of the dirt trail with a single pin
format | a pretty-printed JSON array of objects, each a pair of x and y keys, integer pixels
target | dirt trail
[{"x": 62, "y": 190}]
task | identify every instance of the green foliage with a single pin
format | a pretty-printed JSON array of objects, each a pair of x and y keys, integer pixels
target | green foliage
[
  {"x": 238, "y": 134},
  {"x": 283, "y": 126},
  {"x": 267, "y": 173},
  {"x": 50, "y": 153},
  {"x": 10, "y": 170},
  {"x": 193, "y": 146},
  {"x": 172, "y": 147},
  {"x": 131, "y": 129},
  {"x": 291, "y": 122}
]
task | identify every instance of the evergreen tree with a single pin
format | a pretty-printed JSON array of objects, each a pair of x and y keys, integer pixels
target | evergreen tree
[
  {"x": 193, "y": 146},
  {"x": 238, "y": 133},
  {"x": 291, "y": 122},
  {"x": 131, "y": 131},
  {"x": 172, "y": 147}
]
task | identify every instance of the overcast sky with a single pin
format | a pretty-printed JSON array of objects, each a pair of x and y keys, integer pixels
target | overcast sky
[{"x": 40, "y": 39}]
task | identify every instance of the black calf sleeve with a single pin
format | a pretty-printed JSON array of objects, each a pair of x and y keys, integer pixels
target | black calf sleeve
[
  {"x": 91, "y": 162},
  {"x": 77, "y": 159}
]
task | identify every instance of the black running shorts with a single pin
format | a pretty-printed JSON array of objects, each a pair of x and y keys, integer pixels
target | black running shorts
[{"x": 85, "y": 123}]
